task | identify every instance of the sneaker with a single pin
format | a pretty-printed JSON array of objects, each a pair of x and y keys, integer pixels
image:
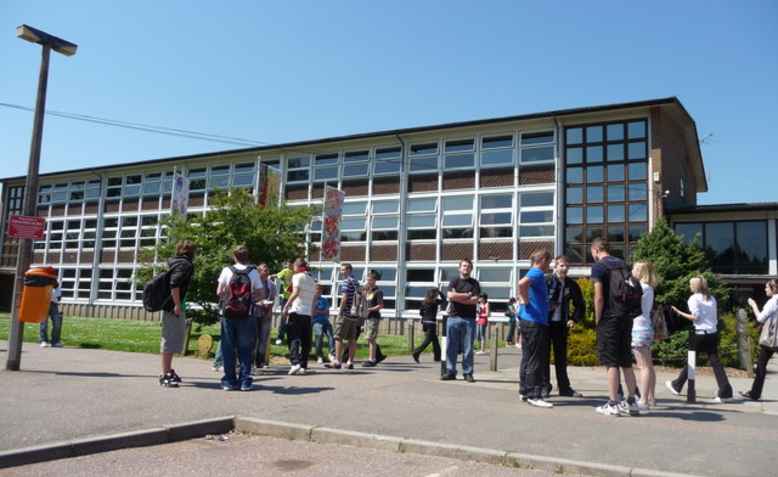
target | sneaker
[
  {"x": 368, "y": 364},
  {"x": 571, "y": 393},
  {"x": 380, "y": 358},
  {"x": 469, "y": 378},
  {"x": 748, "y": 395},
  {"x": 246, "y": 386},
  {"x": 175, "y": 377},
  {"x": 643, "y": 408},
  {"x": 522, "y": 397},
  {"x": 448, "y": 377},
  {"x": 319, "y": 361},
  {"x": 627, "y": 408},
  {"x": 608, "y": 409},
  {"x": 349, "y": 365},
  {"x": 166, "y": 381},
  {"x": 416, "y": 358},
  {"x": 44, "y": 344},
  {"x": 719, "y": 400},
  {"x": 229, "y": 387},
  {"x": 294, "y": 369},
  {"x": 58, "y": 344},
  {"x": 302, "y": 371},
  {"x": 671, "y": 388},
  {"x": 540, "y": 402}
]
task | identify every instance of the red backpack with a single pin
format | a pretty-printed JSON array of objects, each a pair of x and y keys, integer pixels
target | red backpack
[{"x": 238, "y": 305}]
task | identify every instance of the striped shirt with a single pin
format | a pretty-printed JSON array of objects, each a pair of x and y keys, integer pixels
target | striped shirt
[{"x": 348, "y": 287}]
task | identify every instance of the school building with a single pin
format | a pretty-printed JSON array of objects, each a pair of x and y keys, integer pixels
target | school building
[{"x": 417, "y": 200}]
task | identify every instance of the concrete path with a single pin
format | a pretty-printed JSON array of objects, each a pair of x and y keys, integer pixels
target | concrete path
[{"x": 69, "y": 393}]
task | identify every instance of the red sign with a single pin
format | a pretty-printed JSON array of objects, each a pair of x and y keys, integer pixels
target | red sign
[{"x": 24, "y": 227}]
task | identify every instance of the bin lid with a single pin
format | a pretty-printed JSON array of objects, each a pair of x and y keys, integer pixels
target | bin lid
[{"x": 48, "y": 272}]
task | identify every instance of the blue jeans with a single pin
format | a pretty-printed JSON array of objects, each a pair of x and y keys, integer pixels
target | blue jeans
[
  {"x": 56, "y": 325},
  {"x": 241, "y": 335},
  {"x": 321, "y": 331},
  {"x": 460, "y": 333}
]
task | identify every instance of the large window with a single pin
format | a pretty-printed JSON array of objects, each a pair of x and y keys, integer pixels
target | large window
[
  {"x": 457, "y": 217},
  {"x": 421, "y": 217},
  {"x": 496, "y": 216},
  {"x": 353, "y": 224},
  {"x": 298, "y": 169},
  {"x": 355, "y": 164},
  {"x": 537, "y": 147},
  {"x": 418, "y": 280},
  {"x": 460, "y": 154},
  {"x": 496, "y": 283},
  {"x": 385, "y": 219},
  {"x": 326, "y": 167},
  {"x": 606, "y": 187},
  {"x": 424, "y": 157},
  {"x": 536, "y": 214},
  {"x": 388, "y": 161},
  {"x": 497, "y": 151},
  {"x": 733, "y": 247}
]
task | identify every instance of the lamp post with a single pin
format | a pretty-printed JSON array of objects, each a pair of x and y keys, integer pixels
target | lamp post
[{"x": 24, "y": 256}]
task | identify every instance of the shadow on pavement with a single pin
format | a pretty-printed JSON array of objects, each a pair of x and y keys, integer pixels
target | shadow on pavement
[
  {"x": 260, "y": 387},
  {"x": 93, "y": 374},
  {"x": 699, "y": 416}
]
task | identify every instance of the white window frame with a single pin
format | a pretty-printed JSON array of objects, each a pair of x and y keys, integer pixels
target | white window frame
[
  {"x": 327, "y": 156},
  {"x": 525, "y": 147},
  {"x": 482, "y": 150},
  {"x": 307, "y": 167},
  {"x": 424, "y": 157},
  {"x": 393, "y": 159},
  {"x": 499, "y": 210},
  {"x": 544, "y": 208},
  {"x": 456, "y": 154},
  {"x": 457, "y": 212},
  {"x": 361, "y": 162}
]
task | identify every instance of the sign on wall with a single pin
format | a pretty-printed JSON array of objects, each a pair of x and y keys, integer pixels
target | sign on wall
[
  {"x": 331, "y": 216},
  {"x": 25, "y": 227},
  {"x": 180, "y": 202}
]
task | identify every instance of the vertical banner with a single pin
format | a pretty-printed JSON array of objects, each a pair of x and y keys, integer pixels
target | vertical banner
[
  {"x": 180, "y": 200},
  {"x": 269, "y": 185},
  {"x": 331, "y": 215}
]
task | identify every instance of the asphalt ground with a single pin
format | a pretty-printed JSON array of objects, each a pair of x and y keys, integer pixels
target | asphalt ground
[{"x": 63, "y": 394}]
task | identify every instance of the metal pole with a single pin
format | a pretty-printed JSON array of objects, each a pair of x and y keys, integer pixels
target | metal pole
[{"x": 24, "y": 257}]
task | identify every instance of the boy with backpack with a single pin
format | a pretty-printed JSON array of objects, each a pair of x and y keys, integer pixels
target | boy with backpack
[
  {"x": 617, "y": 301},
  {"x": 238, "y": 288}
]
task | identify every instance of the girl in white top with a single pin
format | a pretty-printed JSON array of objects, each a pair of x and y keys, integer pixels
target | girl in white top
[
  {"x": 643, "y": 334},
  {"x": 766, "y": 317},
  {"x": 705, "y": 338}
]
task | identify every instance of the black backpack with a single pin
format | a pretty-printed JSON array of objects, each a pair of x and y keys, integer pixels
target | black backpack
[
  {"x": 238, "y": 305},
  {"x": 624, "y": 294},
  {"x": 156, "y": 292}
]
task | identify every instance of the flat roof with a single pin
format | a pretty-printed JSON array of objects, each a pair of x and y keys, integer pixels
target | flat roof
[
  {"x": 734, "y": 207},
  {"x": 672, "y": 100}
]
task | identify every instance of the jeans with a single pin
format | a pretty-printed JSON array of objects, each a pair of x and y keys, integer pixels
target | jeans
[
  {"x": 534, "y": 358},
  {"x": 56, "y": 325},
  {"x": 321, "y": 331},
  {"x": 557, "y": 340},
  {"x": 707, "y": 344},
  {"x": 460, "y": 333},
  {"x": 430, "y": 336},
  {"x": 263, "y": 332},
  {"x": 765, "y": 354},
  {"x": 511, "y": 329},
  {"x": 240, "y": 334},
  {"x": 299, "y": 334}
]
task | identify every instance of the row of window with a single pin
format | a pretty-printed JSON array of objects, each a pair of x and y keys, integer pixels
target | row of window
[{"x": 733, "y": 247}]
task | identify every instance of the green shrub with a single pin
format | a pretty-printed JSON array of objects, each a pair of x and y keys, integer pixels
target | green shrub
[{"x": 582, "y": 347}]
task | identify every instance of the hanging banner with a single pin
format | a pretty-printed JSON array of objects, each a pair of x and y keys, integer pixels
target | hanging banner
[
  {"x": 24, "y": 227},
  {"x": 269, "y": 185},
  {"x": 331, "y": 216},
  {"x": 180, "y": 201}
]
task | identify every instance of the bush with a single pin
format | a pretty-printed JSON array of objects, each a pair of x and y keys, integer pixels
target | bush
[{"x": 582, "y": 347}]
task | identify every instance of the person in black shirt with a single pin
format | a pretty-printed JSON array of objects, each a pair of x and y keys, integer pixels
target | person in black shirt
[
  {"x": 429, "y": 315},
  {"x": 375, "y": 302},
  {"x": 463, "y": 294},
  {"x": 180, "y": 270}
]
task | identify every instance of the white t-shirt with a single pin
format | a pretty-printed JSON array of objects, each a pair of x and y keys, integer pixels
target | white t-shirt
[
  {"x": 306, "y": 287},
  {"x": 770, "y": 310},
  {"x": 706, "y": 312},
  {"x": 226, "y": 276}
]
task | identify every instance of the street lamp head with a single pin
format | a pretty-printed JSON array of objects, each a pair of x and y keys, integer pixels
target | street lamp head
[{"x": 34, "y": 35}]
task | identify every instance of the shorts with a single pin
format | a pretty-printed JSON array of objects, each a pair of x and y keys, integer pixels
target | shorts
[
  {"x": 371, "y": 328},
  {"x": 347, "y": 327},
  {"x": 614, "y": 342},
  {"x": 173, "y": 333}
]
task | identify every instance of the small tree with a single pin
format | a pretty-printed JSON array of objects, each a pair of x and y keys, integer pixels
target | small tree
[{"x": 272, "y": 234}]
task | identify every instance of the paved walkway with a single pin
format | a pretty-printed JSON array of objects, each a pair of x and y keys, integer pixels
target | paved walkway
[{"x": 69, "y": 393}]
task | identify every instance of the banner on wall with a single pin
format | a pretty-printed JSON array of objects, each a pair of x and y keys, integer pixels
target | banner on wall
[
  {"x": 269, "y": 185},
  {"x": 180, "y": 200},
  {"x": 331, "y": 217}
]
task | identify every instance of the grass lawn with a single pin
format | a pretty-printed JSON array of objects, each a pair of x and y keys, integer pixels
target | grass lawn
[{"x": 143, "y": 336}]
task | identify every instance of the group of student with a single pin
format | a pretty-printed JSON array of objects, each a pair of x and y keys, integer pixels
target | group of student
[{"x": 549, "y": 305}]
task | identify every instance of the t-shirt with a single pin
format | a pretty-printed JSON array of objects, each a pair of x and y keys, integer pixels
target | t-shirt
[
  {"x": 375, "y": 297},
  {"x": 536, "y": 310},
  {"x": 285, "y": 277},
  {"x": 464, "y": 285},
  {"x": 601, "y": 273},
  {"x": 321, "y": 316},
  {"x": 226, "y": 276},
  {"x": 706, "y": 312},
  {"x": 770, "y": 310},
  {"x": 348, "y": 287},
  {"x": 306, "y": 286}
]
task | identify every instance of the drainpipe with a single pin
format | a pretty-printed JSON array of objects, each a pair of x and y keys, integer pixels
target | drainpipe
[{"x": 402, "y": 235}]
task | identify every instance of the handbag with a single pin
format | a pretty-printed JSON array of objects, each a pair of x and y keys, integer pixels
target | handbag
[{"x": 769, "y": 336}]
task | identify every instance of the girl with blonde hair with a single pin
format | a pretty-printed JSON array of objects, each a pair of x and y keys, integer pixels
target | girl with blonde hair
[{"x": 643, "y": 334}]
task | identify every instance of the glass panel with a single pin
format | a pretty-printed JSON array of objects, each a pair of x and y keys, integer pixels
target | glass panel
[
  {"x": 385, "y": 222},
  {"x": 387, "y": 153},
  {"x": 421, "y": 220},
  {"x": 574, "y": 136},
  {"x": 448, "y": 273},
  {"x": 494, "y": 274},
  {"x": 615, "y": 213},
  {"x": 720, "y": 244},
  {"x": 326, "y": 173},
  {"x": 460, "y": 160},
  {"x": 638, "y": 230},
  {"x": 424, "y": 164},
  {"x": 536, "y": 230},
  {"x": 537, "y": 154},
  {"x": 638, "y": 191},
  {"x": 352, "y": 208},
  {"x": 296, "y": 162},
  {"x": 574, "y": 215},
  {"x": 459, "y": 146},
  {"x": 355, "y": 170},
  {"x": 498, "y": 141},
  {"x": 537, "y": 138},
  {"x": 500, "y": 156},
  {"x": 387, "y": 274},
  {"x": 752, "y": 247},
  {"x": 301, "y": 175},
  {"x": 537, "y": 199},
  {"x": 539, "y": 216},
  {"x": 388, "y": 167},
  {"x": 615, "y": 132},
  {"x": 594, "y": 194},
  {"x": 422, "y": 234},
  {"x": 461, "y": 202},
  {"x": 637, "y": 151},
  {"x": 386, "y": 207},
  {"x": 497, "y": 293},
  {"x": 424, "y": 204},
  {"x": 431, "y": 148},
  {"x": 594, "y": 215},
  {"x": 496, "y": 219},
  {"x": 636, "y": 130},
  {"x": 594, "y": 154},
  {"x": 615, "y": 152},
  {"x": 616, "y": 193},
  {"x": 420, "y": 275},
  {"x": 594, "y": 174},
  {"x": 616, "y": 173},
  {"x": 689, "y": 231},
  {"x": 594, "y": 134},
  {"x": 496, "y": 202},
  {"x": 457, "y": 220},
  {"x": 594, "y": 233},
  {"x": 574, "y": 195},
  {"x": 355, "y": 156},
  {"x": 575, "y": 175},
  {"x": 324, "y": 159},
  {"x": 638, "y": 171},
  {"x": 638, "y": 212},
  {"x": 574, "y": 155},
  {"x": 575, "y": 234},
  {"x": 353, "y": 223}
]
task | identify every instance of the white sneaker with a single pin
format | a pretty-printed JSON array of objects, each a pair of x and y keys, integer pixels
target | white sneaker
[
  {"x": 319, "y": 361},
  {"x": 669, "y": 386},
  {"x": 643, "y": 408},
  {"x": 294, "y": 369},
  {"x": 627, "y": 409},
  {"x": 608, "y": 410},
  {"x": 44, "y": 344},
  {"x": 302, "y": 372},
  {"x": 540, "y": 402},
  {"x": 718, "y": 400}
]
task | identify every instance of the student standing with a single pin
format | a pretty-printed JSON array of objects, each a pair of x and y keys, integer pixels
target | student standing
[
  {"x": 264, "y": 315},
  {"x": 533, "y": 314},
  {"x": 566, "y": 308},
  {"x": 768, "y": 317},
  {"x": 463, "y": 294},
  {"x": 284, "y": 278},
  {"x": 483, "y": 321},
  {"x": 703, "y": 313},
  {"x": 375, "y": 303},
  {"x": 300, "y": 308},
  {"x": 173, "y": 336},
  {"x": 433, "y": 299},
  {"x": 322, "y": 328},
  {"x": 346, "y": 326},
  {"x": 643, "y": 334},
  {"x": 56, "y": 322}
]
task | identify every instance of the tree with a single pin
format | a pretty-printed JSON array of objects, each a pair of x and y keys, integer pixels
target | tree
[{"x": 272, "y": 234}]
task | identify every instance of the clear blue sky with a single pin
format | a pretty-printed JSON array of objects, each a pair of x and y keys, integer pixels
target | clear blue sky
[{"x": 286, "y": 71}]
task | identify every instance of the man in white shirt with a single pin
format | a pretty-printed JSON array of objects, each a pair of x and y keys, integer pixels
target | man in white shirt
[
  {"x": 56, "y": 322},
  {"x": 300, "y": 307},
  {"x": 238, "y": 289}
]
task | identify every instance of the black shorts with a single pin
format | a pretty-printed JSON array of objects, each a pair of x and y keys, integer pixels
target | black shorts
[{"x": 614, "y": 342}]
